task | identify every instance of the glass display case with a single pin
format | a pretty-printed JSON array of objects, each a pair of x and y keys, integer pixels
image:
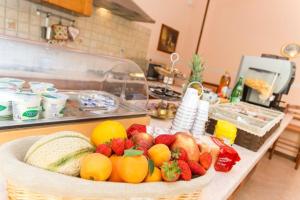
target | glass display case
[{"x": 95, "y": 86}]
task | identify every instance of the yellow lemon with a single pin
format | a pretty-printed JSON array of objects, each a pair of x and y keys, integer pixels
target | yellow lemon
[{"x": 106, "y": 131}]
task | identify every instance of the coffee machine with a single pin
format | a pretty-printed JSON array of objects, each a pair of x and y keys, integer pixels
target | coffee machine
[{"x": 272, "y": 74}]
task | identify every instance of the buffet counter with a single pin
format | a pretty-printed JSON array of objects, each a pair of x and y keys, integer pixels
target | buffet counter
[{"x": 224, "y": 185}]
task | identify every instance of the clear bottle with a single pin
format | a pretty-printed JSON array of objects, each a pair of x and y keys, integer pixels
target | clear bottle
[
  {"x": 237, "y": 91},
  {"x": 224, "y": 85}
]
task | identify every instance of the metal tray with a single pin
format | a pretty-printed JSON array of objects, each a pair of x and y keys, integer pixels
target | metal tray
[{"x": 74, "y": 113}]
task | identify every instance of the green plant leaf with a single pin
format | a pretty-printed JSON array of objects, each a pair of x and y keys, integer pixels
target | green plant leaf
[
  {"x": 151, "y": 166},
  {"x": 133, "y": 152}
]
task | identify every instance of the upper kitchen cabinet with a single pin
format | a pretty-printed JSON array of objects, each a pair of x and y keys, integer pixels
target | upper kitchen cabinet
[{"x": 81, "y": 7}]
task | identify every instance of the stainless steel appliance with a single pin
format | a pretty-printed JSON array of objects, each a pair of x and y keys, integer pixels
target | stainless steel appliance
[{"x": 266, "y": 79}]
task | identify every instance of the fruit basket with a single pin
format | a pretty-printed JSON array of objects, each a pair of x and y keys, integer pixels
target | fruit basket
[{"x": 25, "y": 182}]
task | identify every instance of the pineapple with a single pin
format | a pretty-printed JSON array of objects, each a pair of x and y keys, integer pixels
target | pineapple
[{"x": 197, "y": 68}]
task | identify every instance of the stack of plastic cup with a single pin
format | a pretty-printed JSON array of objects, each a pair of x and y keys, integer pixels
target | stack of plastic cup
[
  {"x": 186, "y": 112},
  {"x": 201, "y": 118}
]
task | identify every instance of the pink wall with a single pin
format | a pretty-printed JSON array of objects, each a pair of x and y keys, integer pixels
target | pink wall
[
  {"x": 249, "y": 27},
  {"x": 181, "y": 15}
]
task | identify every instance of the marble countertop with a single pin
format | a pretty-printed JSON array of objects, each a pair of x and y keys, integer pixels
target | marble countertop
[{"x": 224, "y": 184}]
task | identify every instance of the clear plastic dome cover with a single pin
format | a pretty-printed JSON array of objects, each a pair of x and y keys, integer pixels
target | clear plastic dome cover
[{"x": 73, "y": 70}]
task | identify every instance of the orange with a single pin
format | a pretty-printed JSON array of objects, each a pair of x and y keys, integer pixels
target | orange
[
  {"x": 96, "y": 167},
  {"x": 133, "y": 169},
  {"x": 159, "y": 153},
  {"x": 114, "y": 176},
  {"x": 106, "y": 131},
  {"x": 155, "y": 176}
]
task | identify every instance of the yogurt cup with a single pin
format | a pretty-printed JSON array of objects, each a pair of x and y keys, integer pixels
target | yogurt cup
[
  {"x": 40, "y": 87},
  {"x": 53, "y": 105},
  {"x": 26, "y": 106},
  {"x": 17, "y": 82},
  {"x": 6, "y": 96}
]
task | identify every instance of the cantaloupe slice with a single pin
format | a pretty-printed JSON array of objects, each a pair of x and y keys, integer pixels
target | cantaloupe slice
[{"x": 60, "y": 152}]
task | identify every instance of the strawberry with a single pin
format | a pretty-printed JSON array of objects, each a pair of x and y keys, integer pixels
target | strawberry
[
  {"x": 205, "y": 160},
  {"x": 179, "y": 154},
  {"x": 129, "y": 144},
  {"x": 185, "y": 171},
  {"x": 166, "y": 139},
  {"x": 118, "y": 146},
  {"x": 196, "y": 168},
  {"x": 144, "y": 149},
  {"x": 104, "y": 149},
  {"x": 170, "y": 171}
]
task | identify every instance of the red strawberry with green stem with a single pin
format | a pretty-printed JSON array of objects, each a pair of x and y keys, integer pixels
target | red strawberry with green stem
[
  {"x": 170, "y": 171},
  {"x": 179, "y": 154},
  {"x": 196, "y": 168},
  {"x": 118, "y": 146},
  {"x": 185, "y": 171}
]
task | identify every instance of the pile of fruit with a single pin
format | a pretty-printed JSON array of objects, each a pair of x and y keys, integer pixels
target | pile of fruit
[{"x": 133, "y": 156}]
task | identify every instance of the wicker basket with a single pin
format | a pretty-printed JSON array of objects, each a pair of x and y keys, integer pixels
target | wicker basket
[
  {"x": 244, "y": 138},
  {"x": 252, "y": 134},
  {"x": 25, "y": 182}
]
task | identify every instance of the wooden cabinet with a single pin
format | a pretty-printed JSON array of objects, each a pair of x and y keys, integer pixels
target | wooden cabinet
[{"x": 81, "y": 7}]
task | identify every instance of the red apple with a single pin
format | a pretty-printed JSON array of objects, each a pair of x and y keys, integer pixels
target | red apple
[
  {"x": 144, "y": 140},
  {"x": 188, "y": 143}
]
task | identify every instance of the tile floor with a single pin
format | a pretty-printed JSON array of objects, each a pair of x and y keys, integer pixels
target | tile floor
[{"x": 274, "y": 179}]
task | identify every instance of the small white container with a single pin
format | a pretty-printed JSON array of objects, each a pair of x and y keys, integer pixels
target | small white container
[
  {"x": 26, "y": 106},
  {"x": 53, "y": 105},
  {"x": 40, "y": 87},
  {"x": 17, "y": 82},
  {"x": 5, "y": 85},
  {"x": 6, "y": 96}
]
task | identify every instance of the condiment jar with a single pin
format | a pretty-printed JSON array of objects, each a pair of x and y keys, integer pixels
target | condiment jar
[{"x": 226, "y": 131}]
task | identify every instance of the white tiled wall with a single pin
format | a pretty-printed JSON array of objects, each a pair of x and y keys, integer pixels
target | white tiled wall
[{"x": 101, "y": 33}]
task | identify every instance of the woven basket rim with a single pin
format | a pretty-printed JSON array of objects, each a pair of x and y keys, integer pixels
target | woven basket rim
[{"x": 51, "y": 183}]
